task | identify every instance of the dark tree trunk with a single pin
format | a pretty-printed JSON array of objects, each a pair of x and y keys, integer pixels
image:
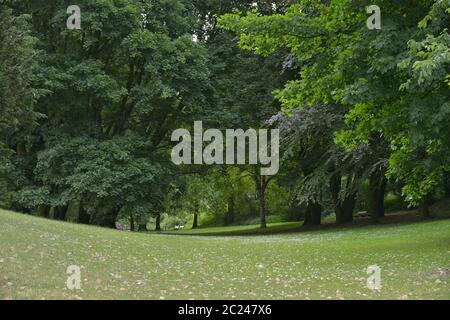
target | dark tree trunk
[
  {"x": 424, "y": 208},
  {"x": 447, "y": 184},
  {"x": 230, "y": 212},
  {"x": 261, "y": 185},
  {"x": 313, "y": 214},
  {"x": 377, "y": 191},
  {"x": 83, "y": 216},
  {"x": 55, "y": 213},
  {"x": 21, "y": 149},
  {"x": 132, "y": 226},
  {"x": 195, "y": 224},
  {"x": 348, "y": 207},
  {"x": 343, "y": 209},
  {"x": 45, "y": 211},
  {"x": 335, "y": 187},
  {"x": 108, "y": 220},
  {"x": 61, "y": 212},
  {"x": 158, "y": 222},
  {"x": 262, "y": 210},
  {"x": 262, "y": 203}
]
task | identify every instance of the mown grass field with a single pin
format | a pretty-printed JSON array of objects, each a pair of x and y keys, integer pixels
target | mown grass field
[{"x": 328, "y": 264}]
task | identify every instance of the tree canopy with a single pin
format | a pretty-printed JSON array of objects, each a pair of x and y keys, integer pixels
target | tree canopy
[{"x": 86, "y": 115}]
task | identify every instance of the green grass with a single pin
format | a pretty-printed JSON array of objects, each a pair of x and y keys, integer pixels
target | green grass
[{"x": 327, "y": 264}]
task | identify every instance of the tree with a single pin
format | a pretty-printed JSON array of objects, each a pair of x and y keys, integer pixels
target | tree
[
  {"x": 325, "y": 170},
  {"x": 198, "y": 196},
  {"x": 18, "y": 55},
  {"x": 421, "y": 135},
  {"x": 18, "y": 94},
  {"x": 244, "y": 85},
  {"x": 114, "y": 91},
  {"x": 372, "y": 77}
]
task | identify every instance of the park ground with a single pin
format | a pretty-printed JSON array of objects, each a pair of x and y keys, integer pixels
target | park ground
[{"x": 231, "y": 263}]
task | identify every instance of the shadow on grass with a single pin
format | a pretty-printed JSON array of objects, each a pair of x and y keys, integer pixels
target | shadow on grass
[{"x": 395, "y": 218}]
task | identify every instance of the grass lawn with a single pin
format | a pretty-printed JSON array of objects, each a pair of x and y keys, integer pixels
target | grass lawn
[
  {"x": 281, "y": 227},
  {"x": 328, "y": 264}
]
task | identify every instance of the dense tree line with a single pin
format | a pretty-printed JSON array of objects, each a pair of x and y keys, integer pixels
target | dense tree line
[
  {"x": 86, "y": 115},
  {"x": 388, "y": 89}
]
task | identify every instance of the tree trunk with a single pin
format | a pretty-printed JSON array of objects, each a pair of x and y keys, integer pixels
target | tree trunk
[
  {"x": 61, "y": 212},
  {"x": 132, "y": 227},
  {"x": 21, "y": 149},
  {"x": 424, "y": 208},
  {"x": 377, "y": 191},
  {"x": 158, "y": 222},
  {"x": 45, "y": 211},
  {"x": 261, "y": 185},
  {"x": 195, "y": 224},
  {"x": 335, "y": 187},
  {"x": 313, "y": 214},
  {"x": 107, "y": 220},
  {"x": 343, "y": 209},
  {"x": 447, "y": 184},
  {"x": 347, "y": 209},
  {"x": 83, "y": 216},
  {"x": 262, "y": 210},
  {"x": 230, "y": 212}
]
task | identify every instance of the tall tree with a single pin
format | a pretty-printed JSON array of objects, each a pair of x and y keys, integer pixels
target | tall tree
[
  {"x": 116, "y": 89},
  {"x": 18, "y": 94},
  {"x": 371, "y": 76}
]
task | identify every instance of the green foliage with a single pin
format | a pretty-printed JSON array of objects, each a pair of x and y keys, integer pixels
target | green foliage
[
  {"x": 112, "y": 93},
  {"x": 87, "y": 114},
  {"x": 18, "y": 56},
  {"x": 390, "y": 82}
]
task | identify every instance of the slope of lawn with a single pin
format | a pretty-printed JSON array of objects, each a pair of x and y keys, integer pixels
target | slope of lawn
[{"x": 328, "y": 264}]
